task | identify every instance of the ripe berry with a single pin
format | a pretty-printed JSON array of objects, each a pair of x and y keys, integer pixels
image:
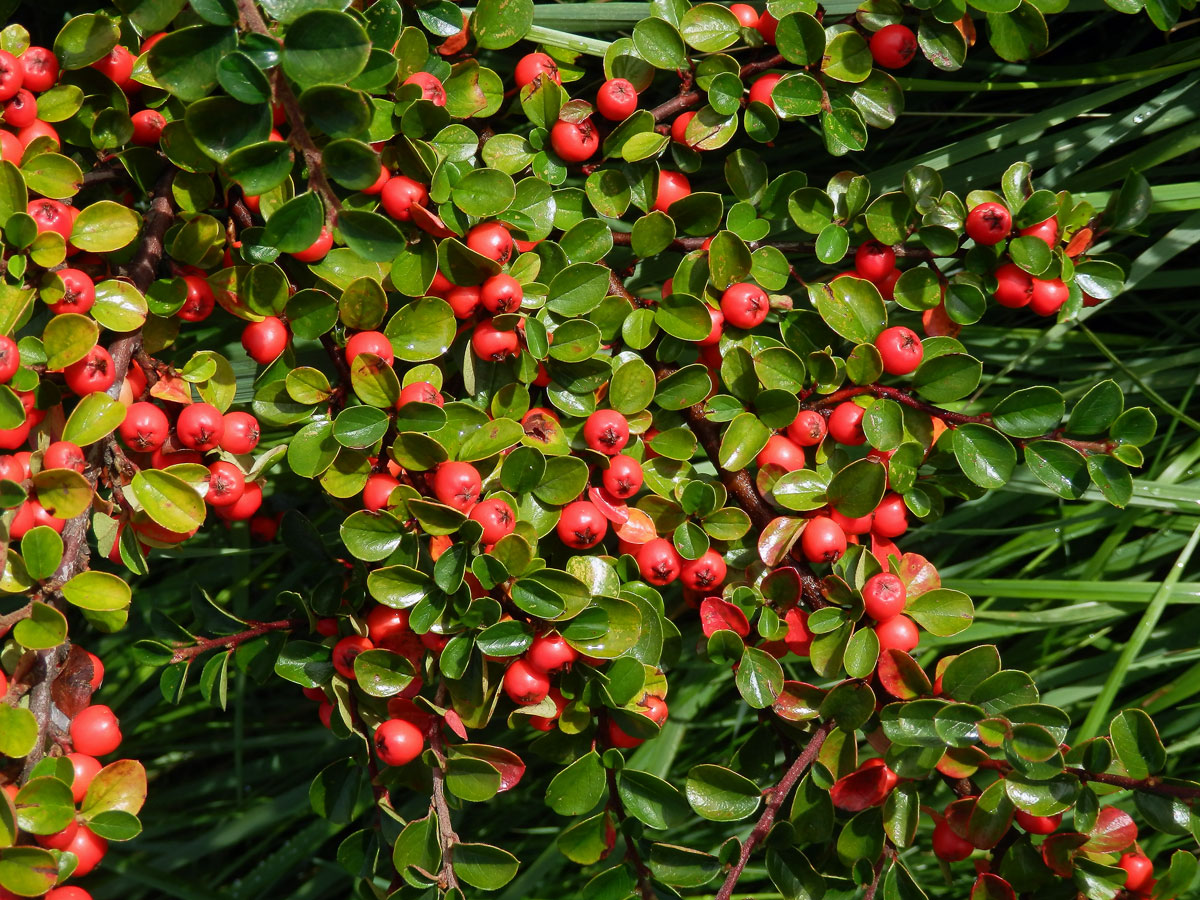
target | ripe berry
[
  {"x": 574, "y": 141},
  {"x": 1046, "y": 231},
  {"x": 457, "y": 484},
  {"x": 377, "y": 490},
  {"x": 240, "y": 432},
  {"x": 89, "y": 848},
  {"x": 491, "y": 239},
  {"x": 64, "y": 455},
  {"x": 39, "y": 66},
  {"x": 1014, "y": 286},
  {"x": 761, "y": 89},
  {"x": 874, "y": 261},
  {"x": 199, "y": 302},
  {"x": 948, "y": 845},
  {"x": 891, "y": 516},
  {"x": 822, "y": 540},
  {"x": 659, "y": 562},
  {"x": 145, "y": 427},
  {"x": 464, "y": 300},
  {"x": 346, "y": 651},
  {"x": 50, "y": 215},
  {"x": 11, "y": 149},
  {"x": 148, "y": 125},
  {"x": 745, "y": 305},
  {"x": 92, "y": 373},
  {"x": 265, "y": 340},
  {"x": 58, "y": 841},
  {"x": 490, "y": 343},
  {"x": 1048, "y": 296},
  {"x": 767, "y": 26},
  {"x": 36, "y": 129},
  {"x": 11, "y": 75},
  {"x": 1139, "y": 871},
  {"x": 704, "y": 574},
  {"x": 432, "y": 89},
  {"x": 607, "y": 431},
  {"x": 69, "y": 893},
  {"x": 78, "y": 292},
  {"x": 95, "y": 731},
  {"x": 496, "y": 517},
  {"x": 10, "y": 358},
  {"x": 581, "y": 525},
  {"x": 200, "y": 426},
  {"x": 845, "y": 424},
  {"x": 893, "y": 46},
  {"x": 989, "y": 223},
  {"x": 398, "y": 742},
  {"x": 617, "y": 99},
  {"x": 317, "y": 249},
  {"x": 30, "y": 515},
  {"x": 377, "y": 188},
  {"x": 524, "y": 684},
  {"x": 747, "y": 16},
  {"x": 400, "y": 195},
  {"x": 897, "y": 633},
  {"x": 1038, "y": 824},
  {"x": 420, "y": 392},
  {"x": 86, "y": 768},
  {"x": 501, "y": 294},
  {"x": 374, "y": 342},
  {"x": 672, "y": 186},
  {"x": 718, "y": 326},
  {"x": 550, "y": 653},
  {"x": 808, "y": 428},
  {"x": 21, "y": 110},
  {"x": 532, "y": 65},
  {"x": 117, "y": 65},
  {"x": 546, "y": 723},
  {"x": 900, "y": 350},
  {"x": 623, "y": 477},
  {"x": 386, "y": 625},
  {"x": 226, "y": 484},
  {"x": 782, "y": 452},
  {"x": 679, "y": 127},
  {"x": 884, "y": 596}
]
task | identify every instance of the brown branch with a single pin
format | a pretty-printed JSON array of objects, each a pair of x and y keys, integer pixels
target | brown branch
[
  {"x": 257, "y": 629},
  {"x": 888, "y": 854},
  {"x": 688, "y": 98},
  {"x": 777, "y": 795},
  {"x": 441, "y": 810},
  {"x": 1154, "y": 784},
  {"x": 645, "y": 888},
  {"x": 45, "y": 670}
]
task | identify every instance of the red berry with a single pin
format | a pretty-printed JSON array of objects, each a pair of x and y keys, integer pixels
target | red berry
[
  {"x": 36, "y": 129},
  {"x": 546, "y": 723},
  {"x": 659, "y": 562},
  {"x": 200, "y": 426},
  {"x": 782, "y": 452},
  {"x": 145, "y": 427},
  {"x": 823, "y": 540},
  {"x": 21, "y": 110},
  {"x": 617, "y": 99},
  {"x": 265, "y": 340},
  {"x": 490, "y": 343},
  {"x": 897, "y": 633},
  {"x": 581, "y": 525},
  {"x": 524, "y": 684},
  {"x": 948, "y": 845},
  {"x": 550, "y": 653},
  {"x": 704, "y": 574},
  {"x": 884, "y": 596},
  {"x": 85, "y": 767},
  {"x": 431, "y": 88},
  {"x": 199, "y": 302},
  {"x": 374, "y": 342},
  {"x": 380, "y": 182},
  {"x": 400, "y": 195},
  {"x": 92, "y": 373},
  {"x": 1038, "y": 824},
  {"x": 532, "y": 65},
  {"x": 95, "y": 731},
  {"x": 30, "y": 515},
  {"x": 623, "y": 478},
  {"x": 11, "y": 75},
  {"x": 745, "y": 305},
  {"x": 387, "y": 626},
  {"x": 747, "y": 16},
  {"x": 845, "y": 424},
  {"x": 89, "y": 849},
  {"x": 148, "y": 125},
  {"x": 346, "y": 651},
  {"x": 607, "y": 431},
  {"x": 574, "y": 142},
  {"x": 50, "y": 215},
  {"x": 501, "y": 294},
  {"x": 874, "y": 261},
  {"x": 78, "y": 292},
  {"x": 989, "y": 223},
  {"x": 69, "y": 893},
  {"x": 420, "y": 392},
  {"x": 398, "y": 742},
  {"x": 767, "y": 26},
  {"x": 10, "y": 358},
  {"x": 893, "y": 46},
  {"x": 718, "y": 326},
  {"x": 1046, "y": 231},
  {"x": 1048, "y": 296},
  {"x": 1139, "y": 871},
  {"x": 240, "y": 432},
  {"x": 317, "y": 250},
  {"x": 491, "y": 239},
  {"x": 39, "y": 66},
  {"x": 457, "y": 484},
  {"x": 891, "y": 517},
  {"x": 496, "y": 517},
  {"x": 763, "y": 86},
  {"x": 64, "y": 455},
  {"x": 1014, "y": 286},
  {"x": 226, "y": 484},
  {"x": 464, "y": 300},
  {"x": 900, "y": 349},
  {"x": 808, "y": 428},
  {"x": 672, "y": 186},
  {"x": 378, "y": 490},
  {"x": 117, "y": 65},
  {"x": 679, "y": 127}
]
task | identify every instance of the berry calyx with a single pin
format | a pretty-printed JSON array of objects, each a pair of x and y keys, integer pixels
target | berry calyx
[
  {"x": 659, "y": 562},
  {"x": 346, "y": 651},
  {"x": 240, "y": 433},
  {"x": 496, "y": 517},
  {"x": 145, "y": 427},
  {"x": 200, "y": 426},
  {"x": 989, "y": 223},
  {"x": 501, "y": 294},
  {"x": 226, "y": 484},
  {"x": 623, "y": 478},
  {"x": 581, "y": 525},
  {"x": 704, "y": 574},
  {"x": 900, "y": 350},
  {"x": 431, "y": 87}
]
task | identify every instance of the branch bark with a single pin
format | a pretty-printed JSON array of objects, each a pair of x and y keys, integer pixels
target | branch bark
[
  {"x": 447, "y": 837},
  {"x": 257, "y": 629}
]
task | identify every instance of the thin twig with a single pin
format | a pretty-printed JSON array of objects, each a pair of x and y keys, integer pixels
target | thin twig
[
  {"x": 447, "y": 838},
  {"x": 645, "y": 888},
  {"x": 257, "y": 629}
]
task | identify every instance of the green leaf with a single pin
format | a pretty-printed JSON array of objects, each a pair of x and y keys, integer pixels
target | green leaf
[
  {"x": 948, "y": 377},
  {"x": 169, "y": 500},
  {"x": 1059, "y": 467},
  {"x": 85, "y": 39},
  {"x": 578, "y": 787},
  {"x": 856, "y": 490},
  {"x": 743, "y": 440},
  {"x": 497, "y": 24},
  {"x": 759, "y": 678},
  {"x": 98, "y": 591},
  {"x": 852, "y": 307},
  {"x": 709, "y": 27},
  {"x": 1029, "y": 412},
  {"x": 185, "y": 60},
  {"x": 483, "y": 866},
  {"x": 18, "y": 731},
  {"x": 295, "y": 225},
  {"x": 721, "y": 795},
  {"x": 325, "y": 47},
  {"x": 421, "y": 330},
  {"x": 985, "y": 455},
  {"x": 1137, "y": 744},
  {"x": 94, "y": 417},
  {"x": 941, "y": 611},
  {"x": 44, "y": 629}
]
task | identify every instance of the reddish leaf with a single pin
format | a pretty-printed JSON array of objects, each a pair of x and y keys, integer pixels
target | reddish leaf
[
  {"x": 455, "y": 723},
  {"x": 721, "y": 615},
  {"x": 1081, "y": 240},
  {"x": 1059, "y": 852},
  {"x": 781, "y": 586},
  {"x": 798, "y": 701},
  {"x": 172, "y": 388},
  {"x": 937, "y": 322},
  {"x": 72, "y": 689},
  {"x": 901, "y": 675},
  {"x": 430, "y": 223},
  {"x": 616, "y": 511},
  {"x": 1114, "y": 831},
  {"x": 778, "y": 538},
  {"x": 961, "y": 763},
  {"x": 638, "y": 530},
  {"x": 918, "y": 575},
  {"x": 992, "y": 887},
  {"x": 510, "y": 766},
  {"x": 958, "y": 815},
  {"x": 861, "y": 789}
]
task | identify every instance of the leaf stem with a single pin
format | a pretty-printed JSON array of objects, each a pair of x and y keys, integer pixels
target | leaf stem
[{"x": 257, "y": 629}]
